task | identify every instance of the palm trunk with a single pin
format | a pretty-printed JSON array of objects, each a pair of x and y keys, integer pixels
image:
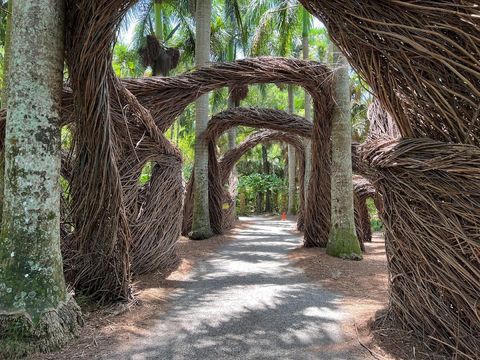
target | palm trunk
[
  {"x": 291, "y": 160},
  {"x": 232, "y": 140},
  {"x": 343, "y": 240},
  {"x": 157, "y": 8},
  {"x": 266, "y": 171},
  {"x": 36, "y": 312},
  {"x": 232, "y": 133},
  {"x": 6, "y": 57},
  {"x": 201, "y": 219},
  {"x": 308, "y": 104}
]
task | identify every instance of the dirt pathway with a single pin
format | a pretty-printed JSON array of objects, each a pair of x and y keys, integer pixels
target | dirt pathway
[{"x": 247, "y": 301}]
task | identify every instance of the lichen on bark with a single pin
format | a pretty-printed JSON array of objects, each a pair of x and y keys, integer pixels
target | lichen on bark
[
  {"x": 342, "y": 240},
  {"x": 36, "y": 312}
]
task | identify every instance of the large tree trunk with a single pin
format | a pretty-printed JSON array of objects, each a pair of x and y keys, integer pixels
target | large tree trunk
[
  {"x": 308, "y": 104},
  {"x": 36, "y": 312},
  {"x": 292, "y": 164},
  {"x": 343, "y": 240},
  {"x": 201, "y": 220}
]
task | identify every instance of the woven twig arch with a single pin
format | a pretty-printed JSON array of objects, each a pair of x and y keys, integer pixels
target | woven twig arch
[
  {"x": 166, "y": 98},
  {"x": 114, "y": 136},
  {"x": 218, "y": 125},
  {"x": 422, "y": 59},
  {"x": 224, "y": 168},
  {"x": 228, "y": 161}
]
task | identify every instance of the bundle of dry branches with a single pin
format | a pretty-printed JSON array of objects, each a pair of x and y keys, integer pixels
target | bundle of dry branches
[
  {"x": 431, "y": 194},
  {"x": 362, "y": 190},
  {"x": 220, "y": 123},
  {"x": 114, "y": 137},
  {"x": 421, "y": 59},
  {"x": 228, "y": 161},
  {"x": 381, "y": 123},
  {"x": 102, "y": 235}
]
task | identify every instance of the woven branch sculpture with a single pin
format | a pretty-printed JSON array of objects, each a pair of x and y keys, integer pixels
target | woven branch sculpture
[
  {"x": 231, "y": 157},
  {"x": 361, "y": 186},
  {"x": 166, "y": 98},
  {"x": 114, "y": 137},
  {"x": 422, "y": 60},
  {"x": 220, "y": 123},
  {"x": 362, "y": 190},
  {"x": 219, "y": 171},
  {"x": 225, "y": 166}
]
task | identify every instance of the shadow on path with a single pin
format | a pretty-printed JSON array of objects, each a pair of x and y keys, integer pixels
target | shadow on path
[{"x": 246, "y": 302}]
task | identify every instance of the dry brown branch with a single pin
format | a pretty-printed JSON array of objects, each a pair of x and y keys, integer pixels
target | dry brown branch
[
  {"x": 218, "y": 125},
  {"x": 431, "y": 193},
  {"x": 422, "y": 60}
]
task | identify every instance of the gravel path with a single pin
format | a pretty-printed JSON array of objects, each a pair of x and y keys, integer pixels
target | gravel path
[{"x": 247, "y": 302}]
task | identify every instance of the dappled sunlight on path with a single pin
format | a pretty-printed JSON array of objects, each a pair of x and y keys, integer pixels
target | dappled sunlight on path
[{"x": 246, "y": 301}]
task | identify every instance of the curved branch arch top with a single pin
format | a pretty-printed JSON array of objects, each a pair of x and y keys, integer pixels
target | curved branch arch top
[
  {"x": 260, "y": 118},
  {"x": 167, "y": 97}
]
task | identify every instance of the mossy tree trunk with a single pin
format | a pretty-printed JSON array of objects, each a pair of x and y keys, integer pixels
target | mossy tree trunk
[
  {"x": 343, "y": 240},
  {"x": 36, "y": 312},
  {"x": 292, "y": 164},
  {"x": 201, "y": 228}
]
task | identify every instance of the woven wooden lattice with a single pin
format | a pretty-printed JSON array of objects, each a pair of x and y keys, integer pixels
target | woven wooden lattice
[{"x": 422, "y": 60}]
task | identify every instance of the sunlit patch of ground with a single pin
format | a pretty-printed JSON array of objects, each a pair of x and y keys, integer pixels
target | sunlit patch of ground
[{"x": 107, "y": 328}]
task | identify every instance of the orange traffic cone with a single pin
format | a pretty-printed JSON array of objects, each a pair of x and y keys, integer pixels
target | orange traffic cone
[{"x": 284, "y": 216}]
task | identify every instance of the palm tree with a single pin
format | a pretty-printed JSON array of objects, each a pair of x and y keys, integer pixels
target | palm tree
[
  {"x": 5, "y": 33},
  {"x": 343, "y": 240},
  {"x": 276, "y": 28},
  {"x": 292, "y": 165},
  {"x": 306, "y": 24},
  {"x": 35, "y": 302},
  {"x": 201, "y": 219},
  {"x": 151, "y": 39}
]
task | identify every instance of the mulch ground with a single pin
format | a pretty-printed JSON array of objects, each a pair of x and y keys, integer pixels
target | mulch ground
[{"x": 364, "y": 286}]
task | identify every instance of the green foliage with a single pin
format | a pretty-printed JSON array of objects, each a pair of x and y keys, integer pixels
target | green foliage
[
  {"x": 66, "y": 138},
  {"x": 126, "y": 62},
  {"x": 255, "y": 184},
  {"x": 146, "y": 173},
  {"x": 375, "y": 221}
]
